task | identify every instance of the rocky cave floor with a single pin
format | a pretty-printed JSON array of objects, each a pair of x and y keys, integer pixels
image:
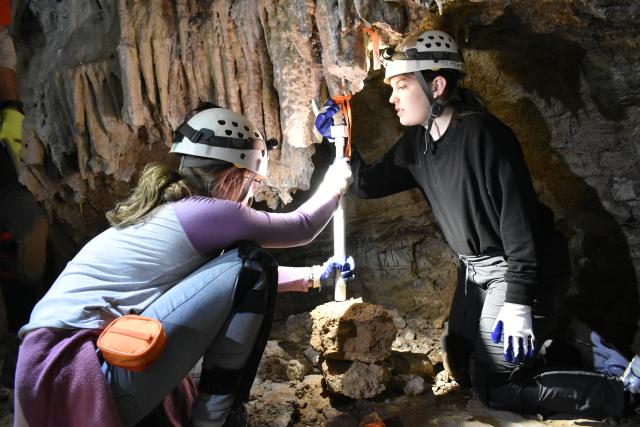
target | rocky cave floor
[
  {"x": 456, "y": 408},
  {"x": 289, "y": 391},
  {"x": 438, "y": 401}
]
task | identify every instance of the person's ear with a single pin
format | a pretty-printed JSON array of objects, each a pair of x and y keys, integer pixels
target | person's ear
[{"x": 439, "y": 84}]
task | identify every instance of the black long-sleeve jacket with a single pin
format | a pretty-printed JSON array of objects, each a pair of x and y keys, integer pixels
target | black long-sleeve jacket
[{"x": 479, "y": 189}]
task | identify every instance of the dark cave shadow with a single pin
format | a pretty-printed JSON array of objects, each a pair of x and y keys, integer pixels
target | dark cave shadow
[
  {"x": 607, "y": 297},
  {"x": 547, "y": 64}
]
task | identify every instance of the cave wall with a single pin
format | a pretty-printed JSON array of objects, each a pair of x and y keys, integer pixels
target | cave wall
[{"x": 105, "y": 84}]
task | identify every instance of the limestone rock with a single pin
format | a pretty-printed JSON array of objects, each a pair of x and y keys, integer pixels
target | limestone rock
[
  {"x": 293, "y": 403},
  {"x": 272, "y": 405},
  {"x": 278, "y": 364},
  {"x": 352, "y": 330},
  {"x": 414, "y": 386},
  {"x": 312, "y": 356},
  {"x": 357, "y": 380},
  {"x": 412, "y": 363},
  {"x": 298, "y": 328},
  {"x": 313, "y": 400},
  {"x": 297, "y": 369},
  {"x": 418, "y": 337},
  {"x": 273, "y": 365},
  {"x": 397, "y": 319},
  {"x": 444, "y": 384}
]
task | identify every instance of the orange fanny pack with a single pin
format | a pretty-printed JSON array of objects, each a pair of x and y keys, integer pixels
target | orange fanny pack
[{"x": 132, "y": 342}]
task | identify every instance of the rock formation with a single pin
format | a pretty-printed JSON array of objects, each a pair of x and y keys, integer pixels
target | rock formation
[{"x": 354, "y": 340}]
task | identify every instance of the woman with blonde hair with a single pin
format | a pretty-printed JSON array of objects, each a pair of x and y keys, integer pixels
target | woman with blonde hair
[{"x": 166, "y": 256}]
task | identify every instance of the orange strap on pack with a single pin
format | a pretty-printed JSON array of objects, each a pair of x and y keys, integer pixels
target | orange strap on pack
[
  {"x": 132, "y": 342},
  {"x": 375, "y": 41},
  {"x": 5, "y": 12},
  {"x": 345, "y": 107}
]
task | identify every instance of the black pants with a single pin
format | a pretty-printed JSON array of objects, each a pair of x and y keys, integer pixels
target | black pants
[
  {"x": 555, "y": 382},
  {"x": 22, "y": 253}
]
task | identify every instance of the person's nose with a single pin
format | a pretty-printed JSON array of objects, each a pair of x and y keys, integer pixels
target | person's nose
[{"x": 393, "y": 98}]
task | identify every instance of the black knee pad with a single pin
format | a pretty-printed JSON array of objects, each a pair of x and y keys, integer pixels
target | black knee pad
[
  {"x": 255, "y": 292},
  {"x": 456, "y": 354}
]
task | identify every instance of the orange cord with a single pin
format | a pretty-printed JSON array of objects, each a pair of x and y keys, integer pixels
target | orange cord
[
  {"x": 375, "y": 41},
  {"x": 343, "y": 101}
]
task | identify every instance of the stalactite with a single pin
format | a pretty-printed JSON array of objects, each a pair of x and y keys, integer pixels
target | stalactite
[
  {"x": 248, "y": 48},
  {"x": 171, "y": 56},
  {"x": 129, "y": 68}
]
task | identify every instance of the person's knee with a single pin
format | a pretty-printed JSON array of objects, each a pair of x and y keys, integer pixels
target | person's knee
[
  {"x": 509, "y": 389},
  {"x": 505, "y": 397}
]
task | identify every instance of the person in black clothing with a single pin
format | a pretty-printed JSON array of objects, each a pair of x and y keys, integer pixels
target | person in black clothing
[
  {"x": 23, "y": 225},
  {"x": 514, "y": 264}
]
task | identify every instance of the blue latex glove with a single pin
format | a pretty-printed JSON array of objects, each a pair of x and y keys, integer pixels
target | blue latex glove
[
  {"x": 346, "y": 267},
  {"x": 324, "y": 119},
  {"x": 607, "y": 360},
  {"x": 631, "y": 376},
  {"x": 514, "y": 327}
]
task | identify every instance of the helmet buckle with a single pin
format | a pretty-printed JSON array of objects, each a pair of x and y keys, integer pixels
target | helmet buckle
[
  {"x": 202, "y": 134},
  {"x": 197, "y": 135},
  {"x": 411, "y": 53}
]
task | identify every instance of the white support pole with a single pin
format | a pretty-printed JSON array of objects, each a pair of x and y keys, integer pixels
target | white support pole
[{"x": 339, "y": 133}]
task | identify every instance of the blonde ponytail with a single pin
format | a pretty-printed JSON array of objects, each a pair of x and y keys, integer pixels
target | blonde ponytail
[{"x": 157, "y": 185}]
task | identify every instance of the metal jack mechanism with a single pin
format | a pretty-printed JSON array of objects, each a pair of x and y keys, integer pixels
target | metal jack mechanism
[{"x": 341, "y": 134}]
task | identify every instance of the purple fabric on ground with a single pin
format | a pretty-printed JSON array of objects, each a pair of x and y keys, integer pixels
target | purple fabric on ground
[
  {"x": 177, "y": 406},
  {"x": 59, "y": 381}
]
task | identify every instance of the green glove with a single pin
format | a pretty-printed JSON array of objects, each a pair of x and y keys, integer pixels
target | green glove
[{"x": 11, "y": 132}]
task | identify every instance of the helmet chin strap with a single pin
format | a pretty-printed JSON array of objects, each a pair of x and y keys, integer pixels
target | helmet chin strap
[
  {"x": 435, "y": 111},
  {"x": 246, "y": 186},
  {"x": 193, "y": 181}
]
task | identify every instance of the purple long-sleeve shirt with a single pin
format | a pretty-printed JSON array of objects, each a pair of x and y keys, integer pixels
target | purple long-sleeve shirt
[{"x": 234, "y": 222}]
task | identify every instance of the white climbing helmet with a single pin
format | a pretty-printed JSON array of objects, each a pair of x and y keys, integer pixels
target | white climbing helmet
[
  {"x": 430, "y": 50},
  {"x": 218, "y": 133}
]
